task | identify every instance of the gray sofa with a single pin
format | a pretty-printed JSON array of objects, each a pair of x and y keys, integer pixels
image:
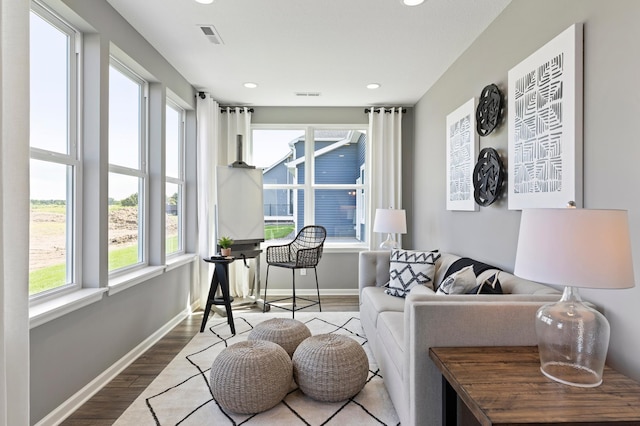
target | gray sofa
[{"x": 401, "y": 331}]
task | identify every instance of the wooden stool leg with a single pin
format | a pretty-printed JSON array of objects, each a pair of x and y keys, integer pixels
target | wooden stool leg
[
  {"x": 224, "y": 282},
  {"x": 213, "y": 287}
]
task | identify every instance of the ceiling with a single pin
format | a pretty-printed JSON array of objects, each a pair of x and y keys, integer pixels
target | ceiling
[{"x": 333, "y": 48}]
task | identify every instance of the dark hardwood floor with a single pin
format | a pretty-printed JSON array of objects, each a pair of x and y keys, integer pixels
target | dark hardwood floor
[{"x": 109, "y": 403}]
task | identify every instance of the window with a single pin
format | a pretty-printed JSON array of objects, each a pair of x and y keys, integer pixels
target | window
[
  {"x": 313, "y": 175},
  {"x": 175, "y": 182},
  {"x": 54, "y": 164},
  {"x": 128, "y": 171}
]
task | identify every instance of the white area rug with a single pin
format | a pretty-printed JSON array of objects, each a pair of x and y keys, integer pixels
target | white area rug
[{"x": 180, "y": 395}]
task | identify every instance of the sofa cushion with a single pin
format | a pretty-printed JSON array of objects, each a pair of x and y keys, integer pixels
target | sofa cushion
[
  {"x": 373, "y": 300},
  {"x": 408, "y": 269},
  {"x": 460, "y": 282},
  {"x": 390, "y": 332}
]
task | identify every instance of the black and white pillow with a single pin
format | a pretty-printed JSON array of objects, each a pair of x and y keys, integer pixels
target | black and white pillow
[
  {"x": 489, "y": 286},
  {"x": 409, "y": 269},
  {"x": 459, "y": 282}
]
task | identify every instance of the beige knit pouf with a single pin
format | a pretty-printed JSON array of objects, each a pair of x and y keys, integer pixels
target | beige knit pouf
[
  {"x": 330, "y": 367},
  {"x": 286, "y": 332},
  {"x": 250, "y": 377}
]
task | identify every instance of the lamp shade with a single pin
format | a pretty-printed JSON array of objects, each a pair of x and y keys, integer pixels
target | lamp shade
[
  {"x": 575, "y": 247},
  {"x": 392, "y": 221}
]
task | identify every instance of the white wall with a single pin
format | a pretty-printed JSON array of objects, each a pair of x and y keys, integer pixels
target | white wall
[{"x": 611, "y": 145}]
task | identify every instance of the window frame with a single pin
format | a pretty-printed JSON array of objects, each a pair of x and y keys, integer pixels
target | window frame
[
  {"x": 72, "y": 158},
  {"x": 142, "y": 173},
  {"x": 309, "y": 186},
  {"x": 180, "y": 180}
]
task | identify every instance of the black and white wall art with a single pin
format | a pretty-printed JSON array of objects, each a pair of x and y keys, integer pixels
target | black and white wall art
[
  {"x": 545, "y": 125},
  {"x": 462, "y": 147}
]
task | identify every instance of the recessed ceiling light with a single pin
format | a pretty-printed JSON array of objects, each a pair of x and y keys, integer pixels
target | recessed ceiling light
[
  {"x": 250, "y": 85},
  {"x": 412, "y": 2},
  {"x": 373, "y": 86},
  {"x": 205, "y": 1}
]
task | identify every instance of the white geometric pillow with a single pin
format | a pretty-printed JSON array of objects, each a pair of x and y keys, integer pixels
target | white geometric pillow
[
  {"x": 409, "y": 269},
  {"x": 459, "y": 282}
]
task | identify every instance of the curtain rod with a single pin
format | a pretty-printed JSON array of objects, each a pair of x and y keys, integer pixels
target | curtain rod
[
  {"x": 223, "y": 109},
  {"x": 387, "y": 110}
]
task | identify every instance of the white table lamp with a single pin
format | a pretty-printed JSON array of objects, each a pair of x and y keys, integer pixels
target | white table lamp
[
  {"x": 390, "y": 221},
  {"x": 574, "y": 248}
]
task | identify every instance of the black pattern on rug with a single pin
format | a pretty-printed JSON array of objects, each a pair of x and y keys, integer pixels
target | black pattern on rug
[{"x": 181, "y": 395}]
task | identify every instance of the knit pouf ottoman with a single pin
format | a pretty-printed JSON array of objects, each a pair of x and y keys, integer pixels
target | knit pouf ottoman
[
  {"x": 250, "y": 377},
  {"x": 286, "y": 332},
  {"x": 330, "y": 367}
]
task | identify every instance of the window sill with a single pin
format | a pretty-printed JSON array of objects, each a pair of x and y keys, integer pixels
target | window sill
[
  {"x": 44, "y": 312},
  {"x": 47, "y": 311},
  {"x": 125, "y": 281},
  {"x": 180, "y": 260}
]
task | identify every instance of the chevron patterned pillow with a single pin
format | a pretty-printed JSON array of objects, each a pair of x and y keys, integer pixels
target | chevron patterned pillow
[{"x": 409, "y": 269}]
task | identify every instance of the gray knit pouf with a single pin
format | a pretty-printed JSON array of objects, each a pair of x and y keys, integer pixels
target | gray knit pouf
[
  {"x": 330, "y": 367},
  {"x": 250, "y": 377},
  {"x": 286, "y": 332}
]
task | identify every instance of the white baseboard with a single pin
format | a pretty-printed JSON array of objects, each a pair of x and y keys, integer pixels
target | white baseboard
[
  {"x": 312, "y": 292},
  {"x": 67, "y": 408}
]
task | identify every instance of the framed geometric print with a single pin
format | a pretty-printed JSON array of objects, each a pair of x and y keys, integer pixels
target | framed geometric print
[
  {"x": 545, "y": 125},
  {"x": 462, "y": 149}
]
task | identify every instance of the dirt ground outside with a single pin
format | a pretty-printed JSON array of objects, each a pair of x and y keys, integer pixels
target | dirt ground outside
[{"x": 47, "y": 242}]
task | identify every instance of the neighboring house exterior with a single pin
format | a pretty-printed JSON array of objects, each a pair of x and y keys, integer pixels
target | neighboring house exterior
[{"x": 339, "y": 159}]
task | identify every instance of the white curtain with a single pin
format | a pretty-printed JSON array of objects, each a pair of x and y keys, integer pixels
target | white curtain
[
  {"x": 207, "y": 152},
  {"x": 14, "y": 205},
  {"x": 237, "y": 121},
  {"x": 385, "y": 131}
]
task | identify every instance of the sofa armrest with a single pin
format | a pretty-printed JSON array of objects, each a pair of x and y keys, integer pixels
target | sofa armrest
[
  {"x": 373, "y": 268},
  {"x": 450, "y": 322}
]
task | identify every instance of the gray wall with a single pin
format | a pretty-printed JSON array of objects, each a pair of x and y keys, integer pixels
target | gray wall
[
  {"x": 611, "y": 148},
  {"x": 69, "y": 352},
  {"x": 338, "y": 271}
]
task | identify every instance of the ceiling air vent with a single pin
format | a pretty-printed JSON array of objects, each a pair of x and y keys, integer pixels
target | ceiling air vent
[
  {"x": 211, "y": 33},
  {"x": 308, "y": 94}
]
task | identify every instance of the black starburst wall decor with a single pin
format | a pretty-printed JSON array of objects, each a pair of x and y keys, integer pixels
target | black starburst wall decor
[
  {"x": 489, "y": 110},
  {"x": 488, "y": 177}
]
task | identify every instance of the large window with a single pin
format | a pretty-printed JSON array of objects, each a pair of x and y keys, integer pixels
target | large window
[
  {"x": 175, "y": 182},
  {"x": 313, "y": 175},
  {"x": 54, "y": 167},
  {"x": 128, "y": 170}
]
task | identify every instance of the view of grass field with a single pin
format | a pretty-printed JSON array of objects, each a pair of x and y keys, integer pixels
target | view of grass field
[
  {"x": 274, "y": 232},
  {"x": 47, "y": 251}
]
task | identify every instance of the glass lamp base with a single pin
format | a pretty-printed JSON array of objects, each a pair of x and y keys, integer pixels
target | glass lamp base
[
  {"x": 573, "y": 340},
  {"x": 389, "y": 243}
]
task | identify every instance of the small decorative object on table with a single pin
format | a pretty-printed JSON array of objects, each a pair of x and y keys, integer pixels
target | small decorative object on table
[
  {"x": 555, "y": 247},
  {"x": 225, "y": 244},
  {"x": 390, "y": 221}
]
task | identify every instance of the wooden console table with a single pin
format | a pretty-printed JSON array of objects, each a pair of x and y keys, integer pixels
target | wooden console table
[{"x": 504, "y": 386}]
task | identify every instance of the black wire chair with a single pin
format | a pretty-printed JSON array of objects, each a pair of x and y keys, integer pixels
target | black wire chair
[{"x": 304, "y": 252}]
